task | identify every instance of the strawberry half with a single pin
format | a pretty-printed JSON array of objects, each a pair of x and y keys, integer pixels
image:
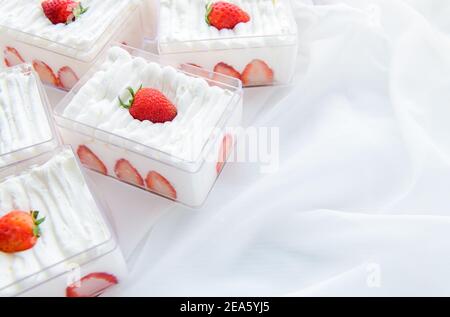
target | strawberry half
[
  {"x": 150, "y": 104},
  {"x": 157, "y": 183},
  {"x": 224, "y": 152},
  {"x": 67, "y": 77},
  {"x": 62, "y": 11},
  {"x": 225, "y": 15},
  {"x": 45, "y": 73},
  {"x": 257, "y": 73},
  {"x": 90, "y": 160},
  {"x": 127, "y": 173},
  {"x": 91, "y": 285},
  {"x": 19, "y": 231},
  {"x": 227, "y": 70},
  {"x": 12, "y": 57}
]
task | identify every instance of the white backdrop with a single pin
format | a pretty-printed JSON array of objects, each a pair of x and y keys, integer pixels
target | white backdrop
[{"x": 361, "y": 202}]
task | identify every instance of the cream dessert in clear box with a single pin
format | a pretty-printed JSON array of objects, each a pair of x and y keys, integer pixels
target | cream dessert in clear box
[
  {"x": 75, "y": 253},
  {"x": 260, "y": 51},
  {"x": 26, "y": 127},
  {"x": 61, "y": 53},
  {"x": 179, "y": 158}
]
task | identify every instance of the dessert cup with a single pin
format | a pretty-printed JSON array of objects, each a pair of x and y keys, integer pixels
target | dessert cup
[
  {"x": 265, "y": 47},
  {"x": 179, "y": 160},
  {"x": 61, "y": 54},
  {"x": 76, "y": 254}
]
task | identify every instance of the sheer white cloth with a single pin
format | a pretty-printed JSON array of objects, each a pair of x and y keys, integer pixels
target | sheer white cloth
[{"x": 361, "y": 202}]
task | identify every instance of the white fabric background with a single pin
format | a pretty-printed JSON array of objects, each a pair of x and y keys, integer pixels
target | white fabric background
[{"x": 362, "y": 193}]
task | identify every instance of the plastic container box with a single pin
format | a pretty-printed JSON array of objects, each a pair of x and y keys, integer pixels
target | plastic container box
[
  {"x": 152, "y": 168},
  {"x": 61, "y": 63},
  {"x": 27, "y": 127},
  {"x": 260, "y": 57},
  {"x": 77, "y": 254}
]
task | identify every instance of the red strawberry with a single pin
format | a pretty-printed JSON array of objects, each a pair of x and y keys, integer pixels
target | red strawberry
[
  {"x": 12, "y": 57},
  {"x": 150, "y": 104},
  {"x": 67, "y": 77},
  {"x": 91, "y": 285},
  {"x": 257, "y": 73},
  {"x": 158, "y": 184},
  {"x": 224, "y": 152},
  {"x": 126, "y": 172},
  {"x": 19, "y": 231},
  {"x": 45, "y": 73},
  {"x": 62, "y": 11},
  {"x": 227, "y": 70},
  {"x": 90, "y": 160},
  {"x": 224, "y": 15}
]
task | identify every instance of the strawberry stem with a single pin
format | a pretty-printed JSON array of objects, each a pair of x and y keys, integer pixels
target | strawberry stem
[
  {"x": 77, "y": 12},
  {"x": 209, "y": 7},
  {"x": 83, "y": 9},
  {"x": 36, "y": 230},
  {"x": 131, "y": 101}
]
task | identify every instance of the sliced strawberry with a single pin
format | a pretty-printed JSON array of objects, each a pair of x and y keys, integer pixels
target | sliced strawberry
[
  {"x": 194, "y": 69},
  {"x": 90, "y": 160},
  {"x": 187, "y": 66},
  {"x": 227, "y": 70},
  {"x": 12, "y": 57},
  {"x": 91, "y": 285},
  {"x": 158, "y": 184},
  {"x": 224, "y": 152},
  {"x": 67, "y": 77},
  {"x": 45, "y": 73},
  {"x": 127, "y": 173},
  {"x": 257, "y": 73}
]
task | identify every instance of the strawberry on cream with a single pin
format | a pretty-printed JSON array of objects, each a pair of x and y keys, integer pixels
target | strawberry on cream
[
  {"x": 23, "y": 118},
  {"x": 73, "y": 222}
]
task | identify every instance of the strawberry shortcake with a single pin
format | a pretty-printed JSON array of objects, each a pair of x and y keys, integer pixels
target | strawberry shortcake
[
  {"x": 150, "y": 125},
  {"x": 252, "y": 40},
  {"x": 54, "y": 240},
  {"x": 61, "y": 38}
]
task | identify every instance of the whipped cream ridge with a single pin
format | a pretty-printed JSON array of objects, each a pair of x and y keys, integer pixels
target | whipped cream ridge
[
  {"x": 28, "y": 17},
  {"x": 199, "y": 105},
  {"x": 73, "y": 222},
  {"x": 23, "y": 120},
  {"x": 184, "y": 21}
]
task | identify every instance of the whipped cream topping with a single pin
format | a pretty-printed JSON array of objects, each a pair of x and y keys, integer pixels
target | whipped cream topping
[
  {"x": 184, "y": 21},
  {"x": 73, "y": 222},
  {"x": 23, "y": 120},
  {"x": 85, "y": 33},
  {"x": 199, "y": 105}
]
